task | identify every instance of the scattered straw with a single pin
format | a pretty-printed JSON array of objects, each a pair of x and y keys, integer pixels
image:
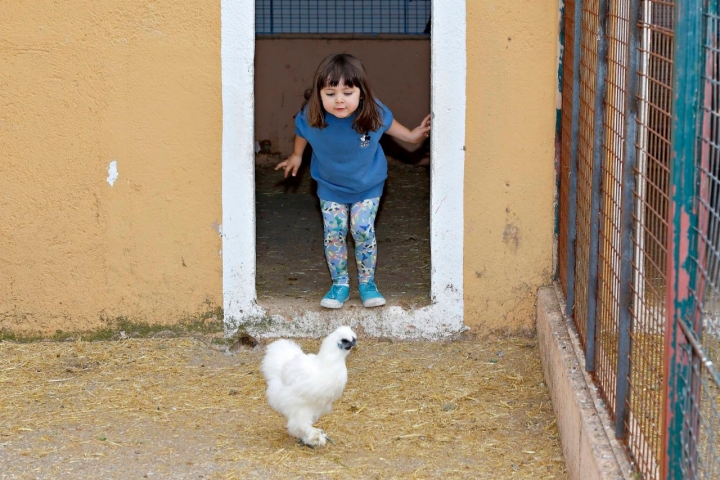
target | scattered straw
[{"x": 183, "y": 408}]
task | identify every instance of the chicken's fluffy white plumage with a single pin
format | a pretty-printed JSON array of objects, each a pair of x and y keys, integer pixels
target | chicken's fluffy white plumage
[{"x": 303, "y": 387}]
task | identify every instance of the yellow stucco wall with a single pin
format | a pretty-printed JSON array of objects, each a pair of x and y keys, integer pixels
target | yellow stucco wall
[
  {"x": 84, "y": 83},
  {"x": 509, "y": 165}
]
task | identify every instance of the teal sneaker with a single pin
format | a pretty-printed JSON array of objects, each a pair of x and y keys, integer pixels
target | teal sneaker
[
  {"x": 335, "y": 298},
  {"x": 370, "y": 296}
]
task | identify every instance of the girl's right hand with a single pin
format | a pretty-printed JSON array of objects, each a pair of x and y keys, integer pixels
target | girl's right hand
[{"x": 290, "y": 165}]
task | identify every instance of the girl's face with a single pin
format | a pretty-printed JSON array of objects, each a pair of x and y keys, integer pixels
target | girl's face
[{"x": 341, "y": 100}]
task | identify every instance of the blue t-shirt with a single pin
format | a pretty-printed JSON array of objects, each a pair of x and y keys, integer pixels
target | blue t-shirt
[{"x": 348, "y": 166}]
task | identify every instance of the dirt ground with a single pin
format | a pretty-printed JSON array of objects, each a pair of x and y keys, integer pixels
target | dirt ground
[
  {"x": 192, "y": 407},
  {"x": 290, "y": 259}
]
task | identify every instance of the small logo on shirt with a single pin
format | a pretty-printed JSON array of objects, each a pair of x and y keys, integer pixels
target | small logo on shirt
[{"x": 364, "y": 140}]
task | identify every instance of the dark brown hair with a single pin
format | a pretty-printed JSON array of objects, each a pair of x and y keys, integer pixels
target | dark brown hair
[{"x": 348, "y": 69}]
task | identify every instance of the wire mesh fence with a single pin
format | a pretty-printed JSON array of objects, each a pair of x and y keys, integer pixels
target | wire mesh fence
[
  {"x": 639, "y": 226},
  {"x": 700, "y": 326},
  {"x": 609, "y": 251},
  {"x": 342, "y": 16},
  {"x": 644, "y": 421},
  {"x": 586, "y": 131}
]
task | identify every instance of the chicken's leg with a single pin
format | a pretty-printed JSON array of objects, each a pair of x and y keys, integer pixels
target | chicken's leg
[{"x": 301, "y": 427}]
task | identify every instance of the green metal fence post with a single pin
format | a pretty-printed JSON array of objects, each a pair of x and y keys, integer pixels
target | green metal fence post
[
  {"x": 574, "y": 135},
  {"x": 682, "y": 247},
  {"x": 558, "y": 142},
  {"x": 595, "y": 189}
]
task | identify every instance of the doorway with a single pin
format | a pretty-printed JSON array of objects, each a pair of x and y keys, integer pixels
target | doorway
[{"x": 414, "y": 313}]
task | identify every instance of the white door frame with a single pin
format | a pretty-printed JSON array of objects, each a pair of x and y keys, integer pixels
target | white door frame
[{"x": 444, "y": 315}]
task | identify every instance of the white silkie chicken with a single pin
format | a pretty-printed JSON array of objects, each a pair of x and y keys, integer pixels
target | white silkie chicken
[{"x": 303, "y": 387}]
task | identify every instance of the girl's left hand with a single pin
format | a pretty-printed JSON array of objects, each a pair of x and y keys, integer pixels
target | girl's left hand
[
  {"x": 422, "y": 132},
  {"x": 415, "y": 135}
]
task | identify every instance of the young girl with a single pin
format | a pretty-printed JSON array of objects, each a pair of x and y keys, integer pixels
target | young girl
[{"x": 343, "y": 122}]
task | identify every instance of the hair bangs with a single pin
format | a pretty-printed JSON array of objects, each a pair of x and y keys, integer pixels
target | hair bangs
[{"x": 341, "y": 71}]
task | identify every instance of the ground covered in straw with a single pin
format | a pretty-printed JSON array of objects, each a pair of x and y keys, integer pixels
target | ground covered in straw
[{"x": 191, "y": 408}]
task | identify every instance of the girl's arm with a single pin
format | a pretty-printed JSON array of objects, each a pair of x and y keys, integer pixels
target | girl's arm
[
  {"x": 292, "y": 163},
  {"x": 401, "y": 132}
]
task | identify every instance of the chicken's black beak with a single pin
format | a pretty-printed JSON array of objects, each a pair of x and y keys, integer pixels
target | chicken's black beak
[{"x": 346, "y": 344}]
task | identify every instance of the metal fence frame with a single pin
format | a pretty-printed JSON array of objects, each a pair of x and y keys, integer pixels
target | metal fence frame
[{"x": 639, "y": 221}]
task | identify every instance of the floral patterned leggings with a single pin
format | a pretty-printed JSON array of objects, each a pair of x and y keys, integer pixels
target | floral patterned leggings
[{"x": 362, "y": 225}]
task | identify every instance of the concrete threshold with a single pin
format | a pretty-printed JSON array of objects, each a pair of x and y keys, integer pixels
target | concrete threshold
[
  {"x": 305, "y": 318},
  {"x": 586, "y": 432}
]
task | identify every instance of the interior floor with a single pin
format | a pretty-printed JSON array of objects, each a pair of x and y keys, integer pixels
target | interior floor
[{"x": 290, "y": 260}]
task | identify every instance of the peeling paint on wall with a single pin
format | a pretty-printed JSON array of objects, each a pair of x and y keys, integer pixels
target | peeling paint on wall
[
  {"x": 112, "y": 173},
  {"x": 511, "y": 236}
]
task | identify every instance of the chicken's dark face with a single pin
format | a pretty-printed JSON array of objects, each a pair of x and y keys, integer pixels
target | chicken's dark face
[{"x": 347, "y": 344}]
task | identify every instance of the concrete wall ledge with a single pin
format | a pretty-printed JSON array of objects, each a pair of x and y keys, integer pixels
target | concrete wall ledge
[{"x": 586, "y": 432}]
